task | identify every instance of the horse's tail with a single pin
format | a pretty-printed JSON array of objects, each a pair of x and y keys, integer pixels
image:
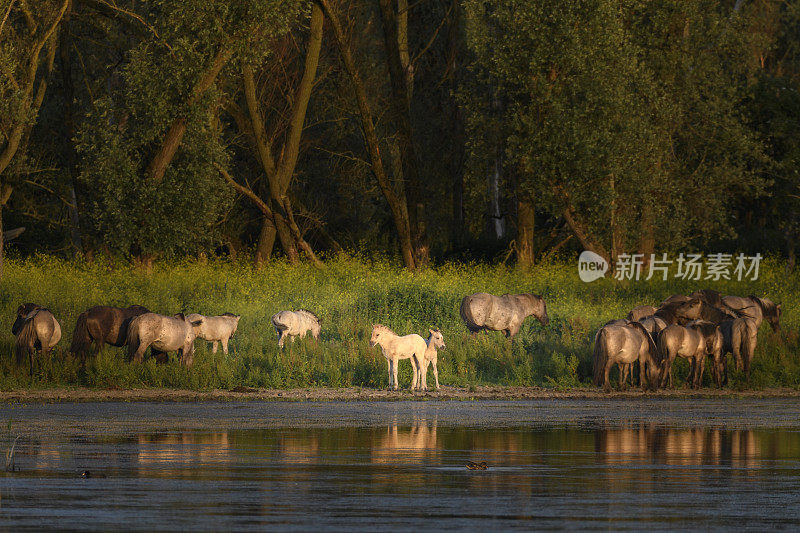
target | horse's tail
[
  {"x": 132, "y": 338},
  {"x": 81, "y": 339},
  {"x": 26, "y": 341},
  {"x": 599, "y": 357}
]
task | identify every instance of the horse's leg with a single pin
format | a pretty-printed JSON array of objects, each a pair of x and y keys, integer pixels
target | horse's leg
[
  {"x": 606, "y": 372},
  {"x": 436, "y": 373},
  {"x": 415, "y": 377},
  {"x": 281, "y": 337},
  {"x": 225, "y": 345},
  {"x": 138, "y": 357},
  {"x": 747, "y": 359},
  {"x": 621, "y": 367},
  {"x": 214, "y": 347},
  {"x": 642, "y": 378},
  {"x": 394, "y": 371}
]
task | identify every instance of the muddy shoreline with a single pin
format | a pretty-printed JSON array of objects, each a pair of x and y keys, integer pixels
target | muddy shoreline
[{"x": 356, "y": 394}]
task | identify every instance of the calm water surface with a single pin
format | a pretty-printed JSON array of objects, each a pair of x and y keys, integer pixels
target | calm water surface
[{"x": 628, "y": 464}]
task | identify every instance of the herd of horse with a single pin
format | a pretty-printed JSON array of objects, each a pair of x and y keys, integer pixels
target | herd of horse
[{"x": 704, "y": 325}]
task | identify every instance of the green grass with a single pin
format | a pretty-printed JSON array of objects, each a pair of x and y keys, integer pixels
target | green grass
[{"x": 350, "y": 295}]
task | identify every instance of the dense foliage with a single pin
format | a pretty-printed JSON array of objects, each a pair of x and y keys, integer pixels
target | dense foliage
[{"x": 144, "y": 130}]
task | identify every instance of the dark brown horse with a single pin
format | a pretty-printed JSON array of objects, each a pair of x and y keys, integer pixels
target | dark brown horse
[{"x": 100, "y": 325}]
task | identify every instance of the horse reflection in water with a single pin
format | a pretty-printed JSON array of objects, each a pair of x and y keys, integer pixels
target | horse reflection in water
[
  {"x": 406, "y": 445},
  {"x": 183, "y": 448},
  {"x": 680, "y": 447}
]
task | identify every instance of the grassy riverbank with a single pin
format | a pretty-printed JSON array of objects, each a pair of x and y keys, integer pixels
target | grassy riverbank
[{"x": 350, "y": 295}]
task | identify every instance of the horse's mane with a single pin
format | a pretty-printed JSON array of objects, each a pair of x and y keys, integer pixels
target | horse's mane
[
  {"x": 384, "y": 328},
  {"x": 301, "y": 310},
  {"x": 26, "y": 308},
  {"x": 229, "y": 314},
  {"x": 769, "y": 310}
]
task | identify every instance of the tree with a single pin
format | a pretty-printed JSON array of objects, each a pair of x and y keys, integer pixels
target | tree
[
  {"x": 28, "y": 32},
  {"x": 151, "y": 150},
  {"x": 622, "y": 119}
]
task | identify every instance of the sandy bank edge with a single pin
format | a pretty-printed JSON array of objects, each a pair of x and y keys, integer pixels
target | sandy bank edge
[{"x": 359, "y": 394}]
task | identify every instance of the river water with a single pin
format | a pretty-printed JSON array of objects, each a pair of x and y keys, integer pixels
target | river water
[{"x": 615, "y": 464}]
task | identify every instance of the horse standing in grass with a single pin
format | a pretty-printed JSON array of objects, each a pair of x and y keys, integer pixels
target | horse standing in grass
[
  {"x": 217, "y": 329},
  {"x": 712, "y": 335},
  {"x": 36, "y": 329},
  {"x": 102, "y": 324},
  {"x": 435, "y": 342},
  {"x": 623, "y": 345},
  {"x": 757, "y": 309},
  {"x": 162, "y": 334},
  {"x": 684, "y": 341},
  {"x": 501, "y": 313},
  {"x": 395, "y": 348},
  {"x": 295, "y": 324},
  {"x": 739, "y": 337}
]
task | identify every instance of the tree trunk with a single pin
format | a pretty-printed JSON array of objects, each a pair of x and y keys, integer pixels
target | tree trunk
[
  {"x": 2, "y": 243},
  {"x": 396, "y": 202},
  {"x": 525, "y": 227},
  {"x": 496, "y": 222},
  {"x": 401, "y": 105},
  {"x": 69, "y": 124},
  {"x": 172, "y": 140},
  {"x": 582, "y": 233},
  {"x": 266, "y": 241}
]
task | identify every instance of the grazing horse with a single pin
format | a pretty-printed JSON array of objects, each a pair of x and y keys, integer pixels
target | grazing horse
[
  {"x": 757, "y": 309},
  {"x": 36, "y": 329},
  {"x": 640, "y": 312},
  {"x": 622, "y": 345},
  {"x": 102, "y": 324},
  {"x": 505, "y": 313},
  {"x": 217, "y": 329},
  {"x": 435, "y": 342},
  {"x": 739, "y": 337},
  {"x": 163, "y": 334},
  {"x": 684, "y": 341},
  {"x": 295, "y": 324},
  {"x": 395, "y": 348}
]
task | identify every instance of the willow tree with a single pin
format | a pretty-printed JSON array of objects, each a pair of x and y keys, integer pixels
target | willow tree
[
  {"x": 28, "y": 43},
  {"x": 622, "y": 119},
  {"x": 151, "y": 149}
]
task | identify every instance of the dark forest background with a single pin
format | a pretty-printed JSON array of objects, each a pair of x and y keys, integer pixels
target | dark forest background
[{"x": 427, "y": 130}]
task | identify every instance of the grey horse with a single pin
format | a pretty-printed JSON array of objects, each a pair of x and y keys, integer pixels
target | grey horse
[
  {"x": 739, "y": 337},
  {"x": 163, "y": 334},
  {"x": 501, "y": 313},
  {"x": 295, "y": 324},
  {"x": 688, "y": 342},
  {"x": 756, "y": 308},
  {"x": 36, "y": 329},
  {"x": 623, "y": 344}
]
